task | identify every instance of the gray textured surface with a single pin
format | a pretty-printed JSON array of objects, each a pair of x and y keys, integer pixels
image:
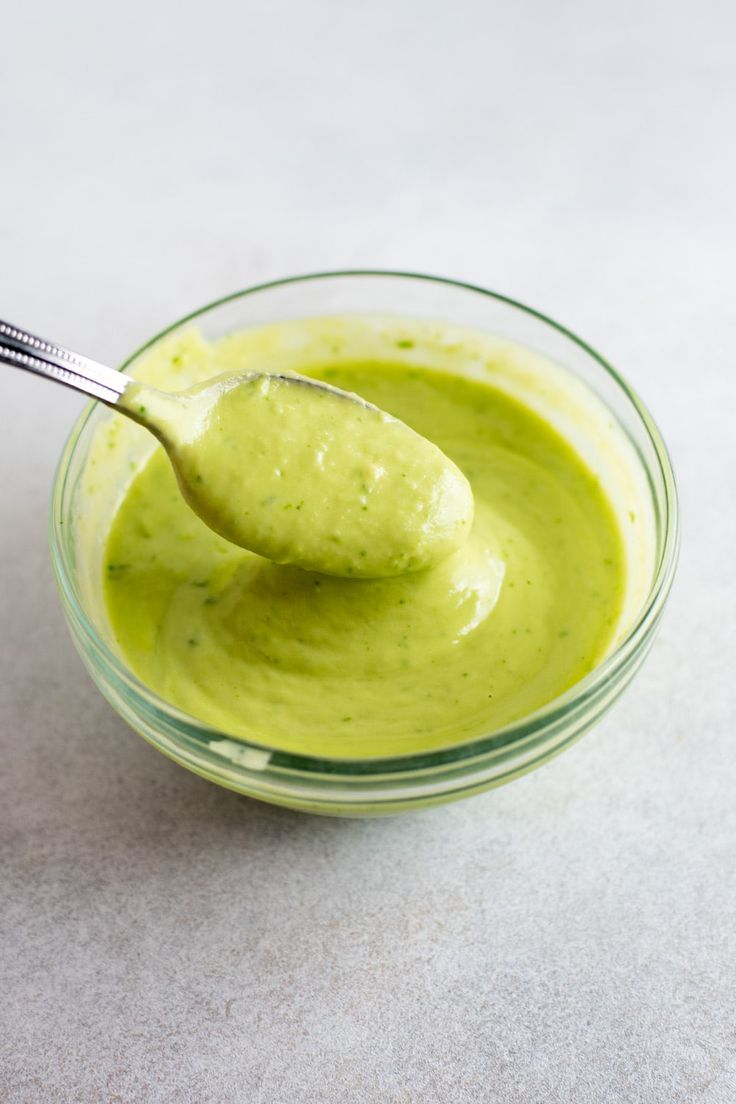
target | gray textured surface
[{"x": 567, "y": 939}]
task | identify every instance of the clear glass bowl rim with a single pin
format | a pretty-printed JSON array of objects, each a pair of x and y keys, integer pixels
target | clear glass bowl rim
[{"x": 528, "y": 731}]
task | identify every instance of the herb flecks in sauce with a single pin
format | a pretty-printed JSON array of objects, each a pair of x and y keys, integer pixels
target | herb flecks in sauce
[{"x": 332, "y": 666}]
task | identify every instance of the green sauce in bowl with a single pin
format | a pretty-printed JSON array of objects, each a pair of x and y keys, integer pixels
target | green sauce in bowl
[
  {"x": 364, "y": 697},
  {"x": 377, "y": 667}
]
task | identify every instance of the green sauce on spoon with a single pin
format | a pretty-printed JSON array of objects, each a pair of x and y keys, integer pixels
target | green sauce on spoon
[{"x": 305, "y": 474}]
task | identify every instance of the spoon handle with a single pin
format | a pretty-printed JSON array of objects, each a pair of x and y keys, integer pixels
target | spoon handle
[{"x": 22, "y": 350}]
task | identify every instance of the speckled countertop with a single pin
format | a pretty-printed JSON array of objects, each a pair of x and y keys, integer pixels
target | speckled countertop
[{"x": 570, "y": 938}]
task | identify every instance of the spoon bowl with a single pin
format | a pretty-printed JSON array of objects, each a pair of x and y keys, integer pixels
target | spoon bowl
[{"x": 293, "y": 469}]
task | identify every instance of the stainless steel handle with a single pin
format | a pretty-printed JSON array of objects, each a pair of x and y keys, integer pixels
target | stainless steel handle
[{"x": 22, "y": 350}]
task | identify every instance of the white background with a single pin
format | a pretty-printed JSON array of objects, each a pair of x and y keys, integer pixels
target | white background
[{"x": 569, "y": 938}]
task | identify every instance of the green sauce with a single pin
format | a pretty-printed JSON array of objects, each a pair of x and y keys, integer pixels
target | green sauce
[
  {"x": 303, "y": 473},
  {"x": 342, "y": 667}
]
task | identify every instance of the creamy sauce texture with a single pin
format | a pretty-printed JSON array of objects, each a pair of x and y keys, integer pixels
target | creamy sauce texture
[
  {"x": 306, "y": 474},
  {"x": 329, "y": 666}
]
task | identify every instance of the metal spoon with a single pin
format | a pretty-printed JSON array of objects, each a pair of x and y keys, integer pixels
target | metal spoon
[{"x": 264, "y": 464}]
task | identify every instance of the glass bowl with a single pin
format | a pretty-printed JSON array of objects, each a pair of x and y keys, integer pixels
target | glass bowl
[{"x": 633, "y": 460}]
